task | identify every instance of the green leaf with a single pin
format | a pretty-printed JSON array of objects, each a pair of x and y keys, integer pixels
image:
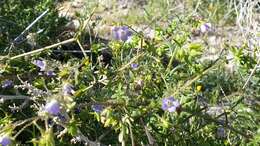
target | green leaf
[{"x": 72, "y": 128}]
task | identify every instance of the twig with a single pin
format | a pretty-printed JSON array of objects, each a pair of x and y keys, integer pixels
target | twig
[
  {"x": 24, "y": 127},
  {"x": 77, "y": 51},
  {"x": 11, "y": 97},
  {"x": 43, "y": 49},
  {"x": 82, "y": 49},
  {"x": 19, "y": 123}
]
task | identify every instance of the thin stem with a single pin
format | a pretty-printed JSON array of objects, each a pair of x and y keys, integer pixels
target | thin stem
[
  {"x": 43, "y": 49},
  {"x": 251, "y": 74},
  {"x": 24, "y": 127},
  {"x": 82, "y": 49},
  {"x": 131, "y": 61},
  {"x": 103, "y": 135},
  {"x": 191, "y": 81},
  {"x": 16, "y": 40},
  {"x": 151, "y": 140},
  {"x": 131, "y": 134},
  {"x": 19, "y": 123},
  {"x": 11, "y": 97}
]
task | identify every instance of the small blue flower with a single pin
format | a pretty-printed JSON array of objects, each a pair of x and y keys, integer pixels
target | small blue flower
[
  {"x": 205, "y": 27},
  {"x": 52, "y": 107},
  {"x": 41, "y": 64},
  {"x": 121, "y": 33},
  {"x": 5, "y": 140},
  {"x": 68, "y": 90},
  {"x": 97, "y": 108},
  {"x": 7, "y": 84},
  {"x": 50, "y": 73},
  {"x": 134, "y": 66},
  {"x": 170, "y": 104}
]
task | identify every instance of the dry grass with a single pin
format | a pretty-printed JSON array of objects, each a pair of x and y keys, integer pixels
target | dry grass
[{"x": 248, "y": 21}]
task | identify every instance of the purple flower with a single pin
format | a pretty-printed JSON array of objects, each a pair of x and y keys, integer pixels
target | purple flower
[
  {"x": 52, "y": 107},
  {"x": 121, "y": 33},
  {"x": 7, "y": 84},
  {"x": 205, "y": 27},
  {"x": 97, "y": 108},
  {"x": 134, "y": 66},
  {"x": 68, "y": 90},
  {"x": 41, "y": 64},
  {"x": 50, "y": 73},
  {"x": 170, "y": 104},
  {"x": 5, "y": 140}
]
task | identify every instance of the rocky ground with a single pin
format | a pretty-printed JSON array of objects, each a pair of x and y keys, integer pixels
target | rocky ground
[{"x": 133, "y": 12}]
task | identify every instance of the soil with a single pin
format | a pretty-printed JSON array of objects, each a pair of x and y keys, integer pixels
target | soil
[{"x": 111, "y": 12}]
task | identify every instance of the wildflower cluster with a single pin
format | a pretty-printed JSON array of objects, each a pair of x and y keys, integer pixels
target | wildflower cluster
[
  {"x": 44, "y": 68},
  {"x": 121, "y": 33},
  {"x": 149, "y": 91},
  {"x": 7, "y": 84},
  {"x": 170, "y": 104}
]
